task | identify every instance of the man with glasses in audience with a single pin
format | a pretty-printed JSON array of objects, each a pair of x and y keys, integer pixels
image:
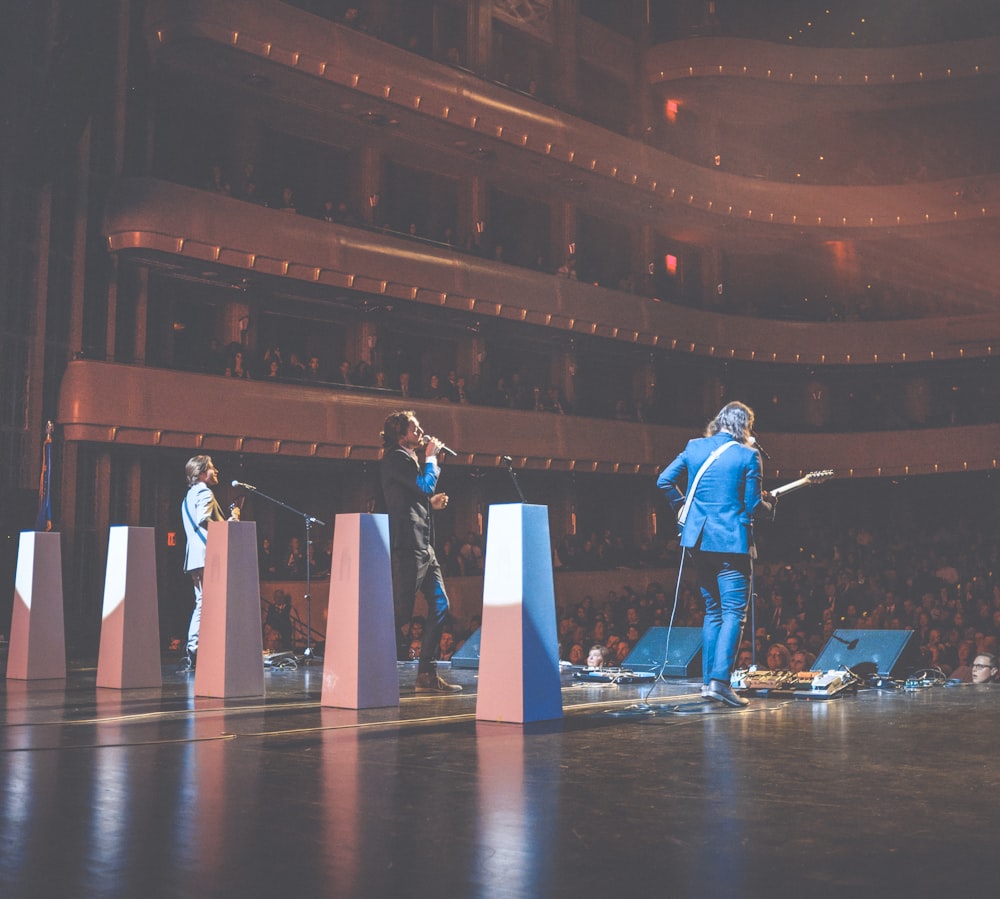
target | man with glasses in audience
[{"x": 984, "y": 669}]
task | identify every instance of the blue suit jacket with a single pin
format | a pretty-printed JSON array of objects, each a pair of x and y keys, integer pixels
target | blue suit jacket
[{"x": 720, "y": 518}]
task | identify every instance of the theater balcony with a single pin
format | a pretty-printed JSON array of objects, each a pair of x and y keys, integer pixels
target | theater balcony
[
  {"x": 935, "y": 234},
  {"x": 147, "y": 218}
]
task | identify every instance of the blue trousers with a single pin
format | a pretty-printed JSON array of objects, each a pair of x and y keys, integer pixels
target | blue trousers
[
  {"x": 724, "y": 579},
  {"x": 414, "y": 570}
]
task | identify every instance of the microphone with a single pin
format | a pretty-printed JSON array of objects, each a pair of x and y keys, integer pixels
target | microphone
[
  {"x": 244, "y": 486},
  {"x": 755, "y": 442},
  {"x": 447, "y": 450},
  {"x": 507, "y": 460}
]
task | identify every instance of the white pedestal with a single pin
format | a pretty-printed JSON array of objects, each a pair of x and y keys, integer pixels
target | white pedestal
[
  {"x": 230, "y": 642},
  {"x": 519, "y": 648},
  {"x": 37, "y": 627},
  {"x": 359, "y": 663},
  {"x": 129, "y": 655}
]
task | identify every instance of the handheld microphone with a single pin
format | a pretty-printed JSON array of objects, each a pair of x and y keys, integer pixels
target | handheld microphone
[
  {"x": 447, "y": 450},
  {"x": 244, "y": 486},
  {"x": 755, "y": 442}
]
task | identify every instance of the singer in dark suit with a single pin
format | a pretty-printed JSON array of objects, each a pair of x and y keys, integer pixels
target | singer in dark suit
[
  {"x": 409, "y": 474},
  {"x": 718, "y": 535}
]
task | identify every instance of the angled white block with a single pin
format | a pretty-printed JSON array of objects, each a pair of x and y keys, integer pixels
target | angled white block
[
  {"x": 230, "y": 642},
  {"x": 519, "y": 646},
  {"x": 37, "y": 627},
  {"x": 359, "y": 662},
  {"x": 129, "y": 654}
]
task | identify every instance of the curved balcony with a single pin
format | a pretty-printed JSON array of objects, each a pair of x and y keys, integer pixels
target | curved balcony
[
  {"x": 303, "y": 58},
  {"x": 208, "y": 229},
  {"x": 951, "y": 64},
  {"x": 118, "y": 404},
  {"x": 111, "y": 404}
]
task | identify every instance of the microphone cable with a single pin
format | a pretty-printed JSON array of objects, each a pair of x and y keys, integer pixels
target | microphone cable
[{"x": 670, "y": 627}]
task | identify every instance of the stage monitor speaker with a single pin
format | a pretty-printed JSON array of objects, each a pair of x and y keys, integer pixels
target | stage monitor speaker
[
  {"x": 684, "y": 652},
  {"x": 467, "y": 655},
  {"x": 894, "y": 653}
]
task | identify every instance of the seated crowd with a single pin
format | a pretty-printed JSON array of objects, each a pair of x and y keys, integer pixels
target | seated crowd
[
  {"x": 940, "y": 584},
  {"x": 274, "y": 365}
]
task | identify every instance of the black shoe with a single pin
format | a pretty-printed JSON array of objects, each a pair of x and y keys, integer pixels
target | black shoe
[
  {"x": 429, "y": 682},
  {"x": 720, "y": 691}
]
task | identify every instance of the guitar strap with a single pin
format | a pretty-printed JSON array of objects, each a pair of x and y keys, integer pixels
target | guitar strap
[{"x": 197, "y": 528}]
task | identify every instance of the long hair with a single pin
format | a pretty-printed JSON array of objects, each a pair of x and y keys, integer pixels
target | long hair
[
  {"x": 395, "y": 427},
  {"x": 735, "y": 419},
  {"x": 195, "y": 467}
]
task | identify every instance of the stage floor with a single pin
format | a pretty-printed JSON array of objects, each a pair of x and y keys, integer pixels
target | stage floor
[{"x": 156, "y": 793}]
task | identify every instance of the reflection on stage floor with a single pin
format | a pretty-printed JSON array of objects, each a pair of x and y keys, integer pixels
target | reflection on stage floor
[{"x": 158, "y": 793}]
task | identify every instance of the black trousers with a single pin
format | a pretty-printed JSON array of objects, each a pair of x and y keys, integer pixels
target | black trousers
[{"x": 412, "y": 571}]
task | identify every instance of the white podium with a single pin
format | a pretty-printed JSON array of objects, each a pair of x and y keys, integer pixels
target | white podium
[
  {"x": 359, "y": 662},
  {"x": 230, "y": 641},
  {"x": 129, "y": 654},
  {"x": 37, "y": 627},
  {"x": 519, "y": 646}
]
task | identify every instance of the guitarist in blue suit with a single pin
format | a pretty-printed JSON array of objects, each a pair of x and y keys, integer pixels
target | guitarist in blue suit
[{"x": 717, "y": 533}]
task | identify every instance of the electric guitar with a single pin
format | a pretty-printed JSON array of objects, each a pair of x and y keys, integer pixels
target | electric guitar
[{"x": 814, "y": 477}]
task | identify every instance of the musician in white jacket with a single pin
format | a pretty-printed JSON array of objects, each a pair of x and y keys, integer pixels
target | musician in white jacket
[{"x": 197, "y": 510}]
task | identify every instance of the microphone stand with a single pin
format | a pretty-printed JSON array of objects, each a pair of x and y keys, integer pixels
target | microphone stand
[
  {"x": 309, "y": 521},
  {"x": 850, "y": 644},
  {"x": 506, "y": 460}
]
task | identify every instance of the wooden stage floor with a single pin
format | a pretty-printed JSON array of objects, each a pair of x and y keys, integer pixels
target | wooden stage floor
[{"x": 156, "y": 793}]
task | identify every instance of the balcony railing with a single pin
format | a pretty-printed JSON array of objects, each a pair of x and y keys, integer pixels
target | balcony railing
[{"x": 114, "y": 404}]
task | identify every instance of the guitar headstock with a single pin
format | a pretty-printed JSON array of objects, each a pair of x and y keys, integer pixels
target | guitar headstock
[{"x": 818, "y": 477}]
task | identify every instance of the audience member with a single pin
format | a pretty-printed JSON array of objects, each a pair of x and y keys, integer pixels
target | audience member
[
  {"x": 984, "y": 669},
  {"x": 314, "y": 371},
  {"x": 597, "y": 656},
  {"x": 287, "y": 201},
  {"x": 447, "y": 646},
  {"x": 295, "y": 560},
  {"x": 965, "y": 653},
  {"x": 266, "y": 563},
  {"x": 470, "y": 556},
  {"x": 802, "y": 660},
  {"x": 279, "y": 620},
  {"x": 237, "y": 368},
  {"x": 343, "y": 375}
]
